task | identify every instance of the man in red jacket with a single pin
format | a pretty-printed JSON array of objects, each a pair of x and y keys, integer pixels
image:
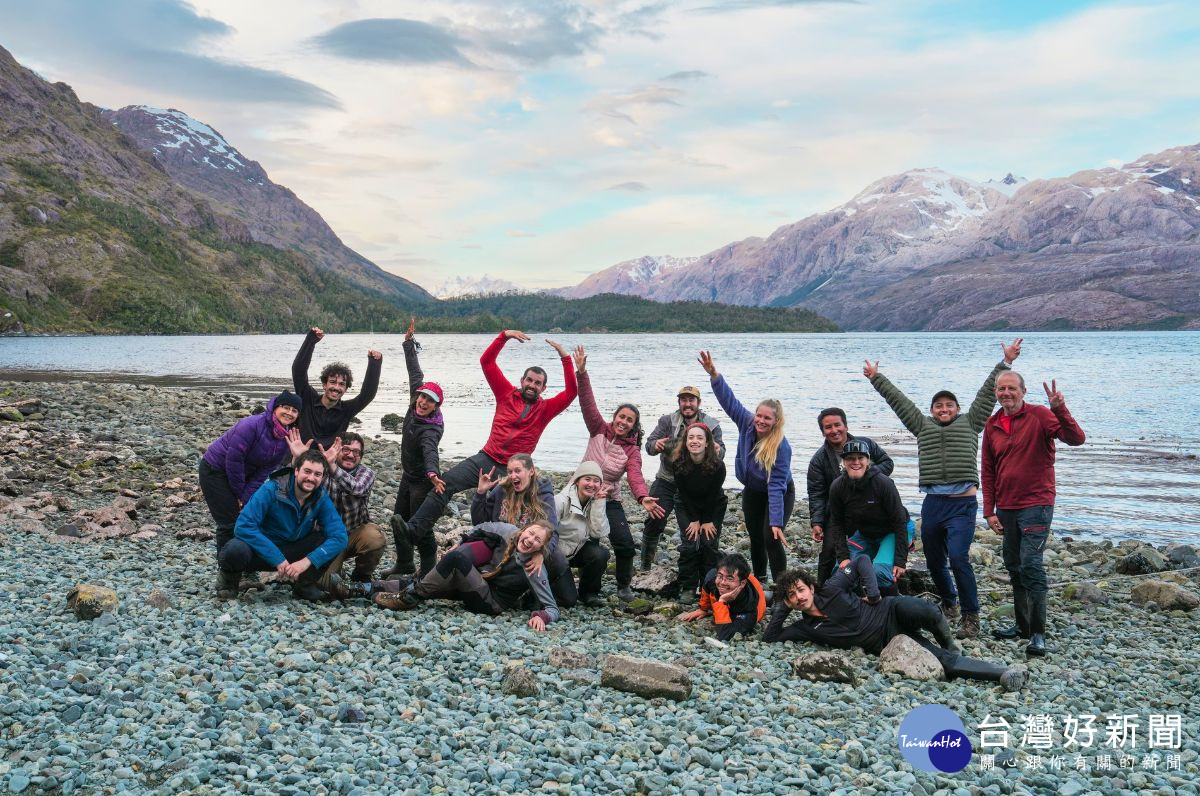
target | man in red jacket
[
  {"x": 521, "y": 417},
  {"x": 1018, "y": 494}
]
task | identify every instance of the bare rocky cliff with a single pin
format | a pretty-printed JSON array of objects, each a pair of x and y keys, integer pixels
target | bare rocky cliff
[{"x": 199, "y": 158}]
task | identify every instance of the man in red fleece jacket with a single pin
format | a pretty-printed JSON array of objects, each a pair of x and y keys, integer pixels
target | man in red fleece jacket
[
  {"x": 1017, "y": 470},
  {"x": 521, "y": 417}
]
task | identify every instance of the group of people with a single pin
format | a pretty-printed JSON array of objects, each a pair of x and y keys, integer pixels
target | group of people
[{"x": 288, "y": 491}]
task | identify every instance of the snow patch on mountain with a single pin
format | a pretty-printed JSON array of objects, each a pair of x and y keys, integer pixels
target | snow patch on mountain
[{"x": 182, "y": 130}]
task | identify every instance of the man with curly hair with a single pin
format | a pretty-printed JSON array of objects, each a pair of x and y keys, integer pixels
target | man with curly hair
[{"x": 326, "y": 415}]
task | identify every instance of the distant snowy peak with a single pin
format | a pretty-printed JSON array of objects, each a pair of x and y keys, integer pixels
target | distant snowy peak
[
  {"x": 648, "y": 268},
  {"x": 474, "y": 286},
  {"x": 1007, "y": 186},
  {"x": 942, "y": 201}
]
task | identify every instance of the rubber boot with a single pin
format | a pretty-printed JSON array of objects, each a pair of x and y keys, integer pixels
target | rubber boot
[
  {"x": 649, "y": 548},
  {"x": 1037, "y": 624},
  {"x": 404, "y": 549},
  {"x": 1020, "y": 613},
  {"x": 624, "y": 578},
  {"x": 943, "y": 633},
  {"x": 976, "y": 669}
]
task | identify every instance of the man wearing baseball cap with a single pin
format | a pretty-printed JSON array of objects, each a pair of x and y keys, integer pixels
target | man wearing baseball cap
[{"x": 665, "y": 436}]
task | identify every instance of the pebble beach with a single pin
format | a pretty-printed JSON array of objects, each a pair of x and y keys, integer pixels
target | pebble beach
[{"x": 171, "y": 691}]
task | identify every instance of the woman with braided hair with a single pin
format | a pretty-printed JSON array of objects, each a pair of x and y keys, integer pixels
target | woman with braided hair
[{"x": 489, "y": 573}]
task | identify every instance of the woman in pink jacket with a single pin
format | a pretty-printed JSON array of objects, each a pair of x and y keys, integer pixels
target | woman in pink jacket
[{"x": 616, "y": 447}]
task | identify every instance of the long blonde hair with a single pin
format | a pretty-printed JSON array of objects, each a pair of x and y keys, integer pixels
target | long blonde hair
[
  {"x": 511, "y": 547},
  {"x": 523, "y": 508},
  {"x": 767, "y": 446}
]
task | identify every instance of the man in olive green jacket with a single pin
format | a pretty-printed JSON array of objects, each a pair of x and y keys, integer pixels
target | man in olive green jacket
[{"x": 948, "y": 461}]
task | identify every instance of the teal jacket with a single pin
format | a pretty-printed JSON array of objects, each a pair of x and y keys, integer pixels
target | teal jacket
[
  {"x": 274, "y": 516},
  {"x": 947, "y": 453}
]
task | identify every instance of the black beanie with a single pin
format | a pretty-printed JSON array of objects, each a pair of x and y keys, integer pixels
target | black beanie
[{"x": 289, "y": 398}]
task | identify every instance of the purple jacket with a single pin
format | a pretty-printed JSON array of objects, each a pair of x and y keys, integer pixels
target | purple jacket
[{"x": 248, "y": 452}]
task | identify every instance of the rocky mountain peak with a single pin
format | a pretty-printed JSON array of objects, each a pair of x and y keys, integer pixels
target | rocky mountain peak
[{"x": 180, "y": 137}]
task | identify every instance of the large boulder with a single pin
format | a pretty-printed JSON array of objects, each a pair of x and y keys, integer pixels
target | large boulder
[
  {"x": 825, "y": 667},
  {"x": 905, "y": 656},
  {"x": 1182, "y": 556},
  {"x": 916, "y": 580},
  {"x": 567, "y": 658},
  {"x": 89, "y": 602},
  {"x": 1085, "y": 592},
  {"x": 1142, "y": 561},
  {"x": 661, "y": 579},
  {"x": 1168, "y": 596},
  {"x": 645, "y": 678},
  {"x": 522, "y": 682}
]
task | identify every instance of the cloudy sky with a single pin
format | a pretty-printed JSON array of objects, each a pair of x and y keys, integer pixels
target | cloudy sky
[{"x": 541, "y": 140}]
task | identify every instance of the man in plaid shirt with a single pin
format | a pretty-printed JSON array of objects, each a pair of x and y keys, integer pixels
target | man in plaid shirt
[{"x": 349, "y": 485}]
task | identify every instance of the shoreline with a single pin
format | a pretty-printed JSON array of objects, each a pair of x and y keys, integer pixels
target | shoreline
[{"x": 236, "y": 697}]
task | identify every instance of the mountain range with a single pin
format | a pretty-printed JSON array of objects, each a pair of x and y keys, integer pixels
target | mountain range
[{"x": 1112, "y": 248}]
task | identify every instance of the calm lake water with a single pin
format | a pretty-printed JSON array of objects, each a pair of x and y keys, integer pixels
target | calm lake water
[{"x": 1134, "y": 393}]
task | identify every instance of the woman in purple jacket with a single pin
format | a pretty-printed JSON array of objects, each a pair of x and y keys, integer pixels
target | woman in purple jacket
[{"x": 240, "y": 460}]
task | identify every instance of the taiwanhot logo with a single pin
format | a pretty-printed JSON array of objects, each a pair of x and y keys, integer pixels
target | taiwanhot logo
[{"x": 932, "y": 738}]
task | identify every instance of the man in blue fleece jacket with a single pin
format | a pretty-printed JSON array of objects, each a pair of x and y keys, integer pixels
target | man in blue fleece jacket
[{"x": 290, "y": 525}]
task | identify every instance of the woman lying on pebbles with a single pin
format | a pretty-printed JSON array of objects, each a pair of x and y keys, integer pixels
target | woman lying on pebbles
[{"x": 489, "y": 573}]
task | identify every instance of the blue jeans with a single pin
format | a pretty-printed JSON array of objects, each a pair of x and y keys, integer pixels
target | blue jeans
[
  {"x": 947, "y": 530},
  {"x": 882, "y": 552},
  {"x": 1026, "y": 532}
]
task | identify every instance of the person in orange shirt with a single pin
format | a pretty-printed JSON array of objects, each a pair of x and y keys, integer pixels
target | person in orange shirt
[{"x": 733, "y": 596}]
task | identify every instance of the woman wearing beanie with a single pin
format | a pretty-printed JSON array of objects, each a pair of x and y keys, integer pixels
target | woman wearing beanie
[
  {"x": 239, "y": 461},
  {"x": 422, "y": 432}
]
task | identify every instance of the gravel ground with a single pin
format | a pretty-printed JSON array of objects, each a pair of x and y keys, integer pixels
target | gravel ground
[{"x": 176, "y": 692}]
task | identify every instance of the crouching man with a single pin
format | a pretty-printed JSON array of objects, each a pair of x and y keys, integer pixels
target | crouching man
[
  {"x": 276, "y": 531},
  {"x": 349, "y": 488},
  {"x": 836, "y": 616},
  {"x": 733, "y": 596}
]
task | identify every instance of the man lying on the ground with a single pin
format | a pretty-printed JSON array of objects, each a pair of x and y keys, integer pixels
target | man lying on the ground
[{"x": 836, "y": 616}]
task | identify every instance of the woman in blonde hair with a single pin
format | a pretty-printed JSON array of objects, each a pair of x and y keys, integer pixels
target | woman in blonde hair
[
  {"x": 764, "y": 466},
  {"x": 522, "y": 497}
]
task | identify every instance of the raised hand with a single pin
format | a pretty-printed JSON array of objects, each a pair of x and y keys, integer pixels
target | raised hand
[
  {"x": 486, "y": 480},
  {"x": 295, "y": 445},
  {"x": 318, "y": 332},
  {"x": 706, "y": 362},
  {"x": 562, "y": 352},
  {"x": 333, "y": 452},
  {"x": 1053, "y": 394},
  {"x": 373, "y": 354},
  {"x": 870, "y": 370},
  {"x": 412, "y": 328},
  {"x": 580, "y": 357},
  {"x": 1011, "y": 351},
  {"x": 513, "y": 334}
]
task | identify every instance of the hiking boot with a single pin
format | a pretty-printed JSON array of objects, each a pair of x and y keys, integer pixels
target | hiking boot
[
  {"x": 1037, "y": 645},
  {"x": 969, "y": 627},
  {"x": 227, "y": 585},
  {"x": 397, "y": 601},
  {"x": 1014, "y": 678},
  {"x": 344, "y": 589},
  {"x": 950, "y": 611},
  {"x": 309, "y": 592},
  {"x": 250, "y": 580},
  {"x": 649, "y": 549},
  {"x": 625, "y": 594}
]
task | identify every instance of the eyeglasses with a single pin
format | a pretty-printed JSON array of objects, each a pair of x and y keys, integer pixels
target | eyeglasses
[{"x": 355, "y": 452}]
